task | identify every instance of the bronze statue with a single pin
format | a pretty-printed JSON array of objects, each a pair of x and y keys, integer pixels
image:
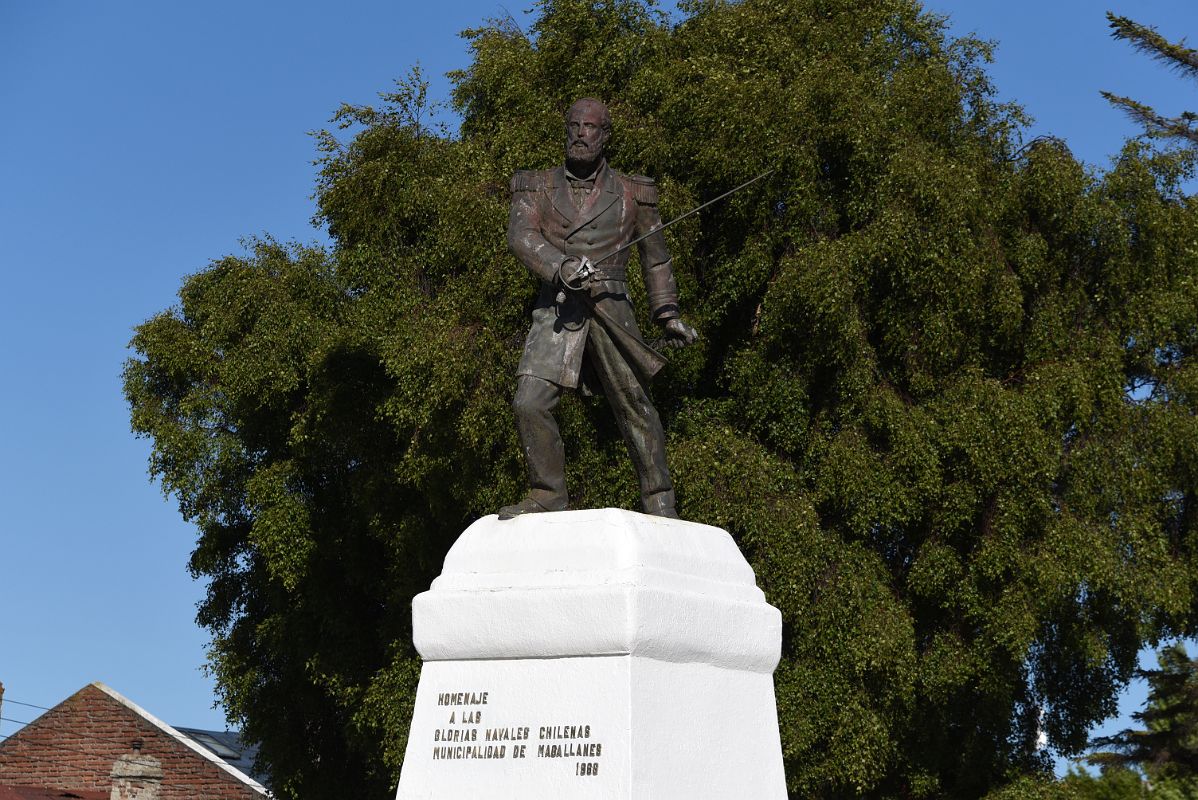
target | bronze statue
[{"x": 565, "y": 224}]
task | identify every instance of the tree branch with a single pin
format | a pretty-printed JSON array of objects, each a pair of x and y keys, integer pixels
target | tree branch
[
  {"x": 1147, "y": 40},
  {"x": 1157, "y": 124}
]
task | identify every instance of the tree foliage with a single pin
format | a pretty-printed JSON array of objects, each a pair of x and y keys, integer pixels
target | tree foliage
[
  {"x": 1173, "y": 54},
  {"x": 944, "y": 399}
]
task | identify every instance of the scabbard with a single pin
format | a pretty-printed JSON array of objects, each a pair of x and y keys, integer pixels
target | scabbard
[{"x": 619, "y": 332}]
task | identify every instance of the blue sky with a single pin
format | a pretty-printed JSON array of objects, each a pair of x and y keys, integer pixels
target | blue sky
[{"x": 141, "y": 140}]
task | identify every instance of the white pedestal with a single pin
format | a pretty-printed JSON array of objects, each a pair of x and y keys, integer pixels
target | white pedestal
[{"x": 594, "y": 654}]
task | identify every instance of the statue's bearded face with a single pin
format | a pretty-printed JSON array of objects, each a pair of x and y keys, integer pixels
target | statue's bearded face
[{"x": 586, "y": 133}]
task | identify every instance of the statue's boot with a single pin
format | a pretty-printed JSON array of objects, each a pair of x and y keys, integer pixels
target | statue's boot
[
  {"x": 660, "y": 504},
  {"x": 526, "y": 506}
]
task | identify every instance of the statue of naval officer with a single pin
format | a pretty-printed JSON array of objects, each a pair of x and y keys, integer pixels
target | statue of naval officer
[{"x": 563, "y": 223}]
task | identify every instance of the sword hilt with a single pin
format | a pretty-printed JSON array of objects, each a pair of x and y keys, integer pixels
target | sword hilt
[{"x": 584, "y": 272}]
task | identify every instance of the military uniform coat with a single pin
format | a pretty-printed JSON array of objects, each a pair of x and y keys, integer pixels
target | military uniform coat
[{"x": 545, "y": 227}]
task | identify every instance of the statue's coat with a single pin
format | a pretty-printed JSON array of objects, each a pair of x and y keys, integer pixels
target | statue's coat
[{"x": 545, "y": 226}]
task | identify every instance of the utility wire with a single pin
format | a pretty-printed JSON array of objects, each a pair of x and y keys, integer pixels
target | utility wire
[
  {"x": 27, "y": 705},
  {"x": 124, "y": 743},
  {"x": 16, "y": 756},
  {"x": 121, "y": 742}
]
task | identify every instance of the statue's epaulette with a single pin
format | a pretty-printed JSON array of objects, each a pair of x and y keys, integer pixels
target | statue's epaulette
[
  {"x": 530, "y": 180},
  {"x": 644, "y": 189}
]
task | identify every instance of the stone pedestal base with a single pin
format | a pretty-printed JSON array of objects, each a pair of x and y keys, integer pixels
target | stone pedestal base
[{"x": 594, "y": 654}]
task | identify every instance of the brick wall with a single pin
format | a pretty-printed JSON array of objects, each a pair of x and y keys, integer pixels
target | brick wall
[{"x": 74, "y": 745}]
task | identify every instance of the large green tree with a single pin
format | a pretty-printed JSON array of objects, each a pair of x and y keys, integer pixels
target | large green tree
[{"x": 944, "y": 399}]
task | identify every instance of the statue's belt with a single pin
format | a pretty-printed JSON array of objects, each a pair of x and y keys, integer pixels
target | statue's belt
[
  {"x": 589, "y": 273},
  {"x": 609, "y": 274}
]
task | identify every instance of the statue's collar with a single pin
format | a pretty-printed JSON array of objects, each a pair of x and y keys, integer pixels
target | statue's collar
[{"x": 594, "y": 176}]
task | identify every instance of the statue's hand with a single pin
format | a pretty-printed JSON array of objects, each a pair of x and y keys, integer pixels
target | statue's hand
[{"x": 679, "y": 334}]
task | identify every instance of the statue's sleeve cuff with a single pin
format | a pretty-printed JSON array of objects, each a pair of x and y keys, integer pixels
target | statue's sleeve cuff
[{"x": 666, "y": 312}]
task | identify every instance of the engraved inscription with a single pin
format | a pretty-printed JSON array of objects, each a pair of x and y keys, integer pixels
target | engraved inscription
[
  {"x": 464, "y": 739},
  {"x": 462, "y": 699}
]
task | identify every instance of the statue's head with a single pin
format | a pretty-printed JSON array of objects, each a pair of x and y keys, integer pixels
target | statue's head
[{"x": 588, "y": 127}]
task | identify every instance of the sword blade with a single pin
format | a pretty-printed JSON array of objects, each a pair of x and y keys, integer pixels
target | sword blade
[{"x": 694, "y": 210}]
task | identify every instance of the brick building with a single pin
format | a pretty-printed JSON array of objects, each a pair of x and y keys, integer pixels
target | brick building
[
  {"x": 29, "y": 793},
  {"x": 97, "y": 741}
]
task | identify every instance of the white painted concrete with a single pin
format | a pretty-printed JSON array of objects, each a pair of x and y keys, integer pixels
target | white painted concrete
[{"x": 595, "y": 654}]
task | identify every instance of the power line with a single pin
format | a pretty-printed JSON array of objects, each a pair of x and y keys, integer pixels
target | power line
[
  {"x": 122, "y": 743},
  {"x": 23, "y": 724},
  {"x": 15, "y": 756},
  {"x": 27, "y": 705}
]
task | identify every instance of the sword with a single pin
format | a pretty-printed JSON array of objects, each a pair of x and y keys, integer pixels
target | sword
[{"x": 587, "y": 267}]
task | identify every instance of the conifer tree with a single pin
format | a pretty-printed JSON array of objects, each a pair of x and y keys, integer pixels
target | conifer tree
[
  {"x": 1176, "y": 55},
  {"x": 1165, "y": 747}
]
